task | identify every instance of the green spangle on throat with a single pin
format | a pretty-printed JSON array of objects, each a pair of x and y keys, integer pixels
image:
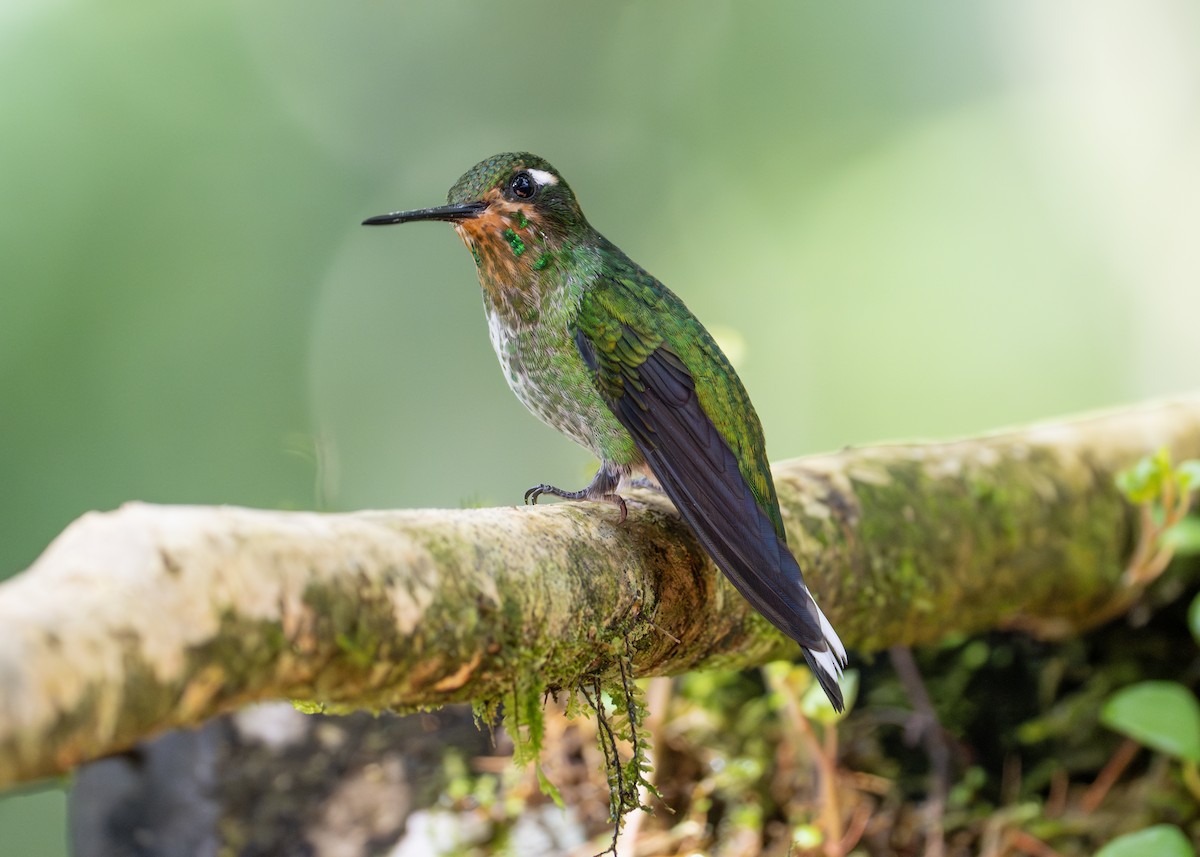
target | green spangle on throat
[
  {"x": 541, "y": 262},
  {"x": 514, "y": 241}
]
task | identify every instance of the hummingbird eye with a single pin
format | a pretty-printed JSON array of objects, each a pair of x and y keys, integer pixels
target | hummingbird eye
[{"x": 523, "y": 186}]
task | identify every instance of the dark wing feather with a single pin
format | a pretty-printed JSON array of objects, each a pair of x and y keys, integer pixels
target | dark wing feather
[{"x": 653, "y": 395}]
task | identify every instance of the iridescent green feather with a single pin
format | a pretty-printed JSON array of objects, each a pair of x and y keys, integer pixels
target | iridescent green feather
[{"x": 627, "y": 314}]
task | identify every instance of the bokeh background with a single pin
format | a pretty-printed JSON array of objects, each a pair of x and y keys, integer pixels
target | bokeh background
[{"x": 904, "y": 221}]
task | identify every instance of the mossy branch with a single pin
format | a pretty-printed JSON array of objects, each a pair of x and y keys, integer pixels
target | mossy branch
[{"x": 153, "y": 617}]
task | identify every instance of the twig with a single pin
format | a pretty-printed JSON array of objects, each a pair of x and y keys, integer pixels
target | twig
[
  {"x": 1030, "y": 844},
  {"x": 824, "y": 757},
  {"x": 1109, "y": 774},
  {"x": 925, "y": 726},
  {"x": 859, "y": 819},
  {"x": 1056, "y": 800}
]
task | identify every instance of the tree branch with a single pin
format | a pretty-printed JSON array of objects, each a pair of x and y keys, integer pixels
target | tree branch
[{"x": 153, "y": 617}]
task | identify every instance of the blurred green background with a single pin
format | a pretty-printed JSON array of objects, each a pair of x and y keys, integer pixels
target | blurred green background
[{"x": 904, "y": 220}]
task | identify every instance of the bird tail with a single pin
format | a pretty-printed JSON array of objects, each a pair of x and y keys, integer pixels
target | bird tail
[{"x": 827, "y": 665}]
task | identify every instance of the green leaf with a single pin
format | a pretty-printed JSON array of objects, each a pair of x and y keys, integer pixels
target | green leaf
[
  {"x": 1184, "y": 538},
  {"x": 1194, "y": 618},
  {"x": 1161, "y": 840},
  {"x": 1187, "y": 474},
  {"x": 807, "y": 837},
  {"x": 1142, "y": 483},
  {"x": 308, "y": 706},
  {"x": 548, "y": 788},
  {"x": 1162, "y": 715}
]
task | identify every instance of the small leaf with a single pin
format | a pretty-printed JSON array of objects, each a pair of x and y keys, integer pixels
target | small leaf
[
  {"x": 548, "y": 788},
  {"x": 1142, "y": 483},
  {"x": 1161, "y": 840},
  {"x": 1187, "y": 474},
  {"x": 308, "y": 706},
  {"x": 807, "y": 837},
  {"x": 1183, "y": 539},
  {"x": 1162, "y": 715},
  {"x": 1194, "y": 618}
]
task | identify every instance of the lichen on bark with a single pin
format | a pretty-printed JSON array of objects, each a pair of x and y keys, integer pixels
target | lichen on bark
[{"x": 152, "y": 617}]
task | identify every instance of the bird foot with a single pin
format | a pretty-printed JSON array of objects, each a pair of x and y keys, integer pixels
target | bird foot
[{"x": 532, "y": 495}]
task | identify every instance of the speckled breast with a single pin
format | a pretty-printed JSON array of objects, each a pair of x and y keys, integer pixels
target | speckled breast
[{"x": 542, "y": 365}]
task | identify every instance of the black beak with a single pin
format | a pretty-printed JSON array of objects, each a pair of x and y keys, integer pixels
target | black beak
[{"x": 452, "y": 213}]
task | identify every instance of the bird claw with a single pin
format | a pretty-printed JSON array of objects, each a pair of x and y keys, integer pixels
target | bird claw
[{"x": 532, "y": 495}]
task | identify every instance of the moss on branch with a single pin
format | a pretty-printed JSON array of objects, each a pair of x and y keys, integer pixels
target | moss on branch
[{"x": 153, "y": 617}]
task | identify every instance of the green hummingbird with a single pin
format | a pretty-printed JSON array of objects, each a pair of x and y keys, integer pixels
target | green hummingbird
[{"x": 599, "y": 349}]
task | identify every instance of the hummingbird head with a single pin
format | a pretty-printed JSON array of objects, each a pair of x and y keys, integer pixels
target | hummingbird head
[{"x": 513, "y": 211}]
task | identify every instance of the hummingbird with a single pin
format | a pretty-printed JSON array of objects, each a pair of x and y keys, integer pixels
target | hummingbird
[{"x": 599, "y": 349}]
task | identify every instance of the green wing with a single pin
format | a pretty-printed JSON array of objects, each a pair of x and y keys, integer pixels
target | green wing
[
  {"x": 669, "y": 385},
  {"x": 631, "y": 317}
]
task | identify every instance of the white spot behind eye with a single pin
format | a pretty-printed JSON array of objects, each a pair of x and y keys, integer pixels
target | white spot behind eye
[{"x": 543, "y": 178}]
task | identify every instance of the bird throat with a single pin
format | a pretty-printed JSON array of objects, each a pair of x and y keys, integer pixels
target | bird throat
[{"x": 515, "y": 257}]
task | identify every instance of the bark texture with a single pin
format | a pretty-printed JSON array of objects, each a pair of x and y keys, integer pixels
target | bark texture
[{"x": 154, "y": 617}]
